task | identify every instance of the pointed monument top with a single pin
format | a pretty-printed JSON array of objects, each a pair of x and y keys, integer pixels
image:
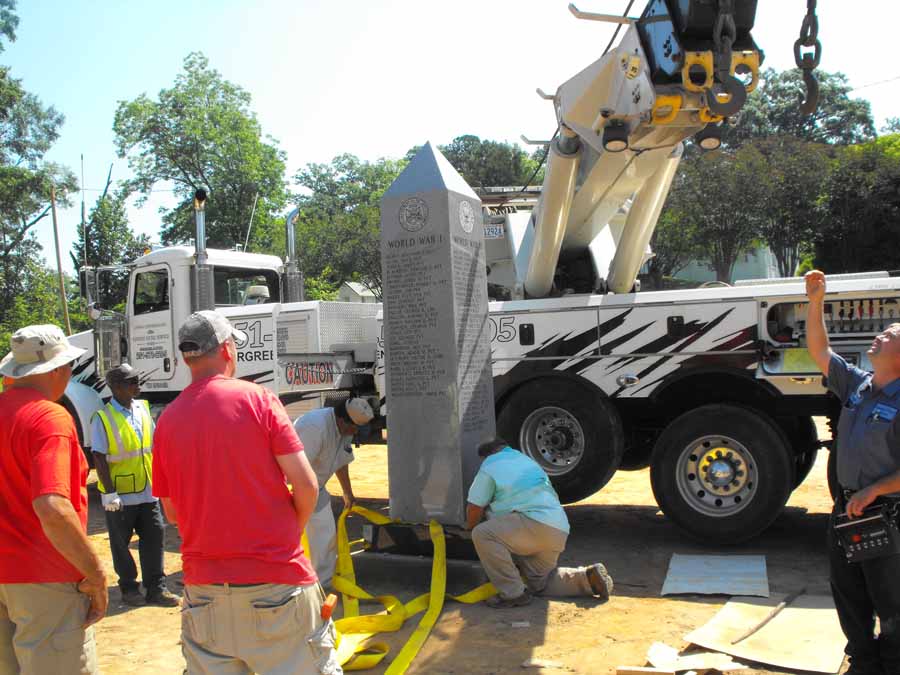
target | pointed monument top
[{"x": 429, "y": 171}]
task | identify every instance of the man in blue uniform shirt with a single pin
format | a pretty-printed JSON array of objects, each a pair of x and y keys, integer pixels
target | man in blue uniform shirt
[
  {"x": 525, "y": 532},
  {"x": 868, "y": 469}
]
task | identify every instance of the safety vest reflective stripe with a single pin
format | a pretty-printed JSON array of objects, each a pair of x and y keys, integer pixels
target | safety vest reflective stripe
[{"x": 129, "y": 457}]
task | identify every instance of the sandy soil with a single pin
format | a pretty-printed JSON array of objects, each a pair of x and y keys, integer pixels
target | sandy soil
[{"x": 620, "y": 526}]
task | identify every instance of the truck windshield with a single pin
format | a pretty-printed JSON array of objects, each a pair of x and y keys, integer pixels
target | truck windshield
[{"x": 236, "y": 286}]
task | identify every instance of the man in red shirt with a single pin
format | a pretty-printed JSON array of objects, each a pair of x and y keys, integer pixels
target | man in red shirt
[
  {"x": 224, "y": 454},
  {"x": 52, "y": 585}
]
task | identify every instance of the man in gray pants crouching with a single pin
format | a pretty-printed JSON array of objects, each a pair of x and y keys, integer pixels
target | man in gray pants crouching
[{"x": 525, "y": 532}]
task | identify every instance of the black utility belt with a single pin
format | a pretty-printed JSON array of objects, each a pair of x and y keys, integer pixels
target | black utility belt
[{"x": 874, "y": 534}]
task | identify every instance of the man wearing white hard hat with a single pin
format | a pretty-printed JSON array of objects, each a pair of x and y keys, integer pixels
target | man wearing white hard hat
[
  {"x": 326, "y": 434},
  {"x": 52, "y": 585}
]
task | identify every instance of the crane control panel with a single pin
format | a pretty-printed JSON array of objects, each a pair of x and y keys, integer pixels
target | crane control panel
[{"x": 845, "y": 320}]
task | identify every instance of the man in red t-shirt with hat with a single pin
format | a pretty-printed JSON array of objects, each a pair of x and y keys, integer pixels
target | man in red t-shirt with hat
[
  {"x": 52, "y": 585},
  {"x": 224, "y": 454}
]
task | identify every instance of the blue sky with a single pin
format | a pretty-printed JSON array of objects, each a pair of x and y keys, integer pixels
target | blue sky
[{"x": 372, "y": 78}]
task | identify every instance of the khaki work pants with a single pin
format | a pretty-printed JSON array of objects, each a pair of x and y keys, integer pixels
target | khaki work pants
[
  {"x": 41, "y": 633},
  {"x": 264, "y": 628},
  {"x": 514, "y": 546},
  {"x": 321, "y": 533}
]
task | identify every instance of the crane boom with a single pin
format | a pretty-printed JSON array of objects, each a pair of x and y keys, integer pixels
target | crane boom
[{"x": 682, "y": 69}]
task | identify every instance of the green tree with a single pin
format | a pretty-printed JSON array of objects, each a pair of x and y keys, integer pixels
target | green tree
[
  {"x": 891, "y": 125},
  {"x": 484, "y": 163},
  {"x": 110, "y": 240},
  {"x": 862, "y": 209},
  {"x": 201, "y": 133},
  {"x": 674, "y": 245},
  {"x": 720, "y": 195},
  {"x": 339, "y": 226},
  {"x": 774, "y": 108},
  {"x": 38, "y": 302},
  {"x": 795, "y": 177}
]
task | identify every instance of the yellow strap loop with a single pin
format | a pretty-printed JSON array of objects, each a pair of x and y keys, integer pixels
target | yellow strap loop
[
  {"x": 355, "y": 649},
  {"x": 670, "y": 102},
  {"x": 705, "y": 61}
]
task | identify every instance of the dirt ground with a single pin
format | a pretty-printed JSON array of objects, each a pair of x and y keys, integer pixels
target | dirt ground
[{"x": 620, "y": 526}]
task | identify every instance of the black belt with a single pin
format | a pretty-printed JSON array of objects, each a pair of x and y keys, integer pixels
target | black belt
[{"x": 230, "y": 585}]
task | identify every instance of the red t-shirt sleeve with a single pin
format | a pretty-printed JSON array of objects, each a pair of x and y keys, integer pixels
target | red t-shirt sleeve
[
  {"x": 160, "y": 482},
  {"x": 51, "y": 455},
  {"x": 283, "y": 439}
]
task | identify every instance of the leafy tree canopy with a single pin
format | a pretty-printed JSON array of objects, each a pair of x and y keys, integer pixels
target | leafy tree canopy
[
  {"x": 201, "y": 133},
  {"x": 774, "y": 108},
  {"x": 338, "y": 229},
  {"x": 862, "y": 209},
  {"x": 484, "y": 163}
]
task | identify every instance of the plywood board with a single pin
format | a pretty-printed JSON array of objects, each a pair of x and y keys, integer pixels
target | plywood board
[
  {"x": 665, "y": 657},
  {"x": 717, "y": 575},
  {"x": 805, "y": 635}
]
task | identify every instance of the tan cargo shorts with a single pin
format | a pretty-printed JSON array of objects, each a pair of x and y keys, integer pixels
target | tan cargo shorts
[
  {"x": 265, "y": 628},
  {"x": 40, "y": 630}
]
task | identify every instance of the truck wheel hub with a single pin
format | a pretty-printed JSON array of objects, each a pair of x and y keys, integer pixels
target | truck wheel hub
[
  {"x": 552, "y": 437},
  {"x": 716, "y": 475}
]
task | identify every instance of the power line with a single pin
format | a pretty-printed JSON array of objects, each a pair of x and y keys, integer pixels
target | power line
[{"x": 875, "y": 84}]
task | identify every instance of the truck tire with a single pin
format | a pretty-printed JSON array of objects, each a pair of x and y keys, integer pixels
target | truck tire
[
  {"x": 574, "y": 434},
  {"x": 804, "y": 440},
  {"x": 722, "y": 472}
]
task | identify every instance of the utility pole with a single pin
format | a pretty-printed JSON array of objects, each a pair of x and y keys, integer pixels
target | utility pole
[
  {"x": 62, "y": 284},
  {"x": 83, "y": 225}
]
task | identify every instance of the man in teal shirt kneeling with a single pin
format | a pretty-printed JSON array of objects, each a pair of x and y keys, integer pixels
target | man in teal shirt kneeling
[{"x": 525, "y": 532}]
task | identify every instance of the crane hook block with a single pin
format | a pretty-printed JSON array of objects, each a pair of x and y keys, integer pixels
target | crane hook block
[{"x": 703, "y": 60}]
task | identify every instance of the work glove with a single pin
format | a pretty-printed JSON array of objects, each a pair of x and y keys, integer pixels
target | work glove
[{"x": 111, "y": 501}]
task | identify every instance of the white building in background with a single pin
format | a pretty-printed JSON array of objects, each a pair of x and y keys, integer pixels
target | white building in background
[
  {"x": 352, "y": 291},
  {"x": 760, "y": 263}
]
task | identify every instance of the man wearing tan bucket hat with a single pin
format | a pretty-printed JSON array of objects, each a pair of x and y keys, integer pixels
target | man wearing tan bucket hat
[{"x": 52, "y": 585}]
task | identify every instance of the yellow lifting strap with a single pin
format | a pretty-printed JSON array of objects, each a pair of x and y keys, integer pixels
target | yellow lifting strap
[{"x": 356, "y": 650}]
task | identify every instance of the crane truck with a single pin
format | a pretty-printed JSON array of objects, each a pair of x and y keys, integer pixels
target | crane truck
[{"x": 712, "y": 388}]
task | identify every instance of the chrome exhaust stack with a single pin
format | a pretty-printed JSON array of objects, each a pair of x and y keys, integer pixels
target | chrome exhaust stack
[{"x": 293, "y": 277}]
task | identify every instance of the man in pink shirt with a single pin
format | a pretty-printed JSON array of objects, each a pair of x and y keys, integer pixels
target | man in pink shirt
[{"x": 224, "y": 454}]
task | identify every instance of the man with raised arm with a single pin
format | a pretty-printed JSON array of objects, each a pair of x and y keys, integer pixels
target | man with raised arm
[{"x": 868, "y": 471}]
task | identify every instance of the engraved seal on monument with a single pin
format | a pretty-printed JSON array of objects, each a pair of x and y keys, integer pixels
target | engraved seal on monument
[
  {"x": 466, "y": 217},
  {"x": 413, "y": 214}
]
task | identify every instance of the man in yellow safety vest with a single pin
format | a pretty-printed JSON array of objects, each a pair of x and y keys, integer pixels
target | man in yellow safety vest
[{"x": 122, "y": 443}]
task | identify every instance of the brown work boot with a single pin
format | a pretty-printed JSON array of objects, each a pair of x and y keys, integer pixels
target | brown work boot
[
  {"x": 600, "y": 581},
  {"x": 133, "y": 598},
  {"x": 499, "y": 602},
  {"x": 163, "y": 598}
]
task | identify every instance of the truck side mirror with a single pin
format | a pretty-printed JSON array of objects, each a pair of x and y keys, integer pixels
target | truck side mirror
[{"x": 87, "y": 284}]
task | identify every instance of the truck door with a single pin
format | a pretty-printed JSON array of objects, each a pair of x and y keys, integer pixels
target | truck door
[{"x": 152, "y": 339}]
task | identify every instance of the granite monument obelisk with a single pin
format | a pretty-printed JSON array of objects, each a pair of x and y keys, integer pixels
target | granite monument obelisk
[{"x": 437, "y": 339}]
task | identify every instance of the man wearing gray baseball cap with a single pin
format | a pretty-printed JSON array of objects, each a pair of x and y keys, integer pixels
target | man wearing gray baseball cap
[
  {"x": 224, "y": 455},
  {"x": 52, "y": 584}
]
